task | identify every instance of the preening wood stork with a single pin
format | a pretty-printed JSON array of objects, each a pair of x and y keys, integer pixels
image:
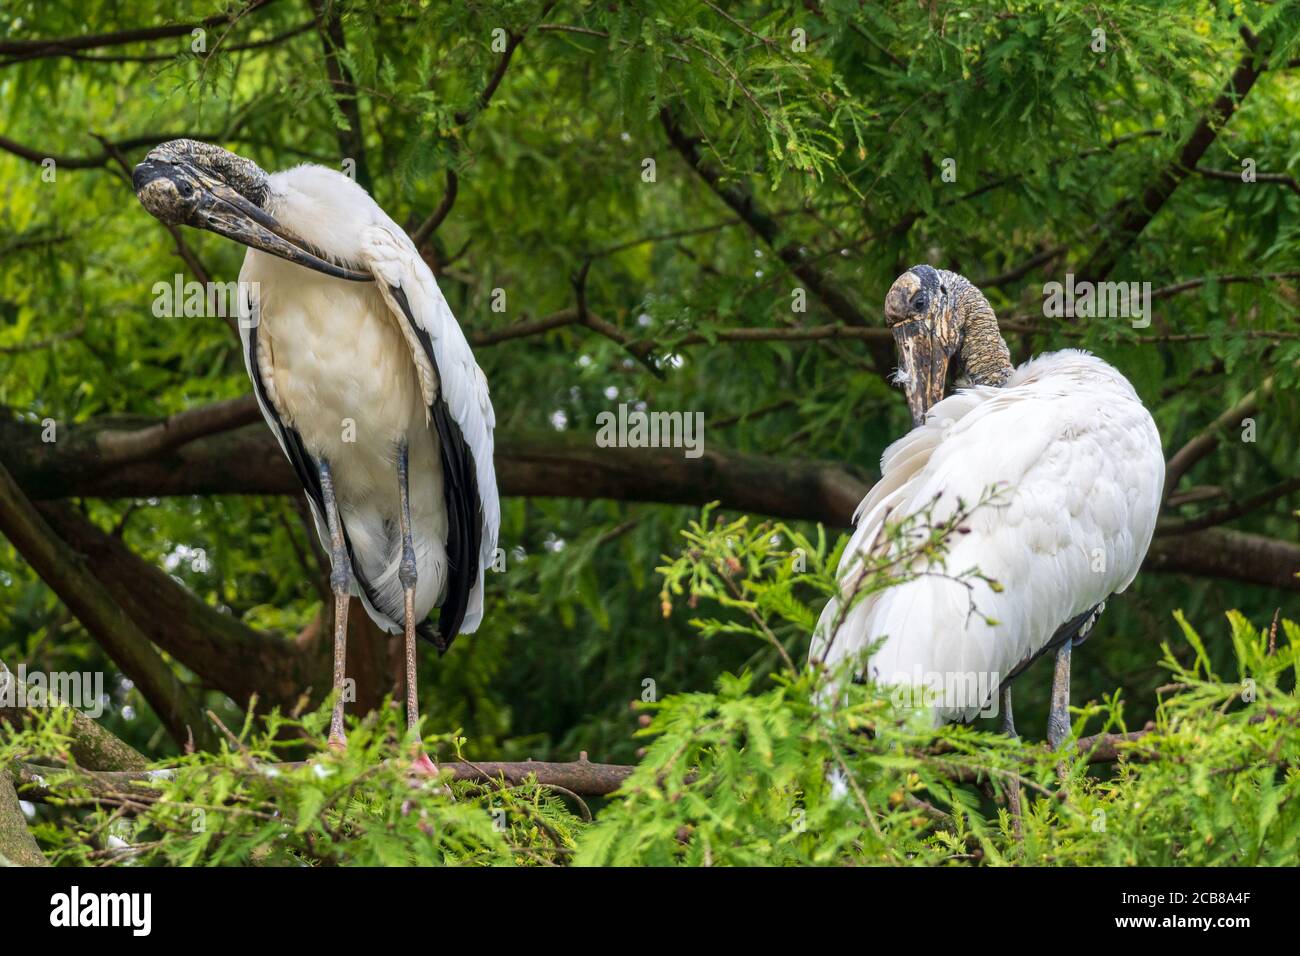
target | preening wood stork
[
  {"x": 1075, "y": 464},
  {"x": 367, "y": 381}
]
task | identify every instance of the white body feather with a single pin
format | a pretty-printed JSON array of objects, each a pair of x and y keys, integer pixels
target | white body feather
[
  {"x": 1080, "y": 470},
  {"x": 341, "y": 366}
]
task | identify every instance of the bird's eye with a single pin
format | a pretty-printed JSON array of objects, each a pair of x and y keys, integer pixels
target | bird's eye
[
  {"x": 185, "y": 188},
  {"x": 919, "y": 301}
]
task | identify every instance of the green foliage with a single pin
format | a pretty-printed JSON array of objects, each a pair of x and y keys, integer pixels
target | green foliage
[
  {"x": 841, "y": 143},
  {"x": 246, "y": 806},
  {"x": 745, "y": 775},
  {"x": 744, "y": 778}
]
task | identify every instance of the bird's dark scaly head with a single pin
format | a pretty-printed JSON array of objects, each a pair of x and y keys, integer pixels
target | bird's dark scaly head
[
  {"x": 922, "y": 311},
  {"x": 185, "y": 182}
]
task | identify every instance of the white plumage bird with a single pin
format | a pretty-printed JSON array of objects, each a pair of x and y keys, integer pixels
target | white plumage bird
[
  {"x": 1074, "y": 463},
  {"x": 367, "y": 381}
]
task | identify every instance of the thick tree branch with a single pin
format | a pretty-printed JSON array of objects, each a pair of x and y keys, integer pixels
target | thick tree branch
[
  {"x": 229, "y": 655},
  {"x": 120, "y": 447},
  {"x": 580, "y": 776},
  {"x": 66, "y": 573},
  {"x": 1232, "y": 555},
  {"x": 92, "y": 746},
  {"x": 248, "y": 461},
  {"x": 17, "y": 845}
]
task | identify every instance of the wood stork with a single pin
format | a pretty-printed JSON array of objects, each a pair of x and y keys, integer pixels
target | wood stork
[
  {"x": 367, "y": 381},
  {"x": 1076, "y": 469}
]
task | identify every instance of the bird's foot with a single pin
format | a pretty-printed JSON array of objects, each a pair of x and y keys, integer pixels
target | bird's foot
[{"x": 423, "y": 766}]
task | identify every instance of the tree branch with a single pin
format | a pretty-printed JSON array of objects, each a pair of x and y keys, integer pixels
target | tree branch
[
  {"x": 351, "y": 141},
  {"x": 66, "y": 573},
  {"x": 463, "y": 118},
  {"x": 1223, "y": 515},
  {"x": 1229, "y": 175},
  {"x": 248, "y": 461},
  {"x": 17, "y": 845},
  {"x": 1135, "y": 217},
  {"x": 120, "y": 447},
  {"x": 580, "y": 776},
  {"x": 92, "y": 746},
  {"x": 32, "y": 49},
  {"x": 767, "y": 228},
  {"x": 230, "y": 656},
  {"x": 1208, "y": 440}
]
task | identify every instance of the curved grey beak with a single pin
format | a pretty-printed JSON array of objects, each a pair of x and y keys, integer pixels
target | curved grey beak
[
  {"x": 181, "y": 194},
  {"x": 924, "y": 354},
  {"x": 919, "y": 311}
]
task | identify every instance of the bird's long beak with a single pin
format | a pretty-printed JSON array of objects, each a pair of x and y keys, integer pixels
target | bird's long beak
[
  {"x": 925, "y": 349},
  {"x": 182, "y": 194}
]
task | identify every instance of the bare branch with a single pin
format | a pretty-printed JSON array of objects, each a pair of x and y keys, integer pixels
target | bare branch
[
  {"x": 1223, "y": 515},
  {"x": 1166, "y": 291},
  {"x": 1229, "y": 175},
  {"x": 122, "y": 447},
  {"x": 248, "y": 461}
]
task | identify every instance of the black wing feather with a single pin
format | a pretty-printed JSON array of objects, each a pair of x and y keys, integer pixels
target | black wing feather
[
  {"x": 1069, "y": 631},
  {"x": 460, "y": 493}
]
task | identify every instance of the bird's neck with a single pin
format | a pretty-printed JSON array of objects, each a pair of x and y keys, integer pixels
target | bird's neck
[{"x": 984, "y": 354}]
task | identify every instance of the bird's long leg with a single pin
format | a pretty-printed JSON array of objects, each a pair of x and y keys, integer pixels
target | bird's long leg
[
  {"x": 406, "y": 573},
  {"x": 1058, "y": 718},
  {"x": 1008, "y": 720},
  {"x": 341, "y": 585},
  {"x": 1013, "y": 795}
]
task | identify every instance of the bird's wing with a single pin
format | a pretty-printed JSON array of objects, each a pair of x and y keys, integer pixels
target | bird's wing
[
  {"x": 456, "y": 393},
  {"x": 304, "y": 465},
  {"x": 1080, "y": 469}
]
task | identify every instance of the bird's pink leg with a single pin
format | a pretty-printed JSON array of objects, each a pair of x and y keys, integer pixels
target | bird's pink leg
[
  {"x": 407, "y": 575},
  {"x": 341, "y": 585}
]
